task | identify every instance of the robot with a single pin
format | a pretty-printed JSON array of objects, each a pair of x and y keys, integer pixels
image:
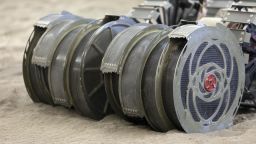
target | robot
[{"x": 161, "y": 64}]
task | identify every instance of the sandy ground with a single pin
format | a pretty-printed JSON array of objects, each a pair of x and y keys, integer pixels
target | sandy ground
[{"x": 22, "y": 121}]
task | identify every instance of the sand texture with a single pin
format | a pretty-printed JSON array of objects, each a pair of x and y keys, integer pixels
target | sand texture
[{"x": 23, "y": 122}]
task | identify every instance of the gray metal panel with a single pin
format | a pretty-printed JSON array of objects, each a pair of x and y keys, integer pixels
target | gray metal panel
[
  {"x": 130, "y": 83},
  {"x": 151, "y": 83},
  {"x": 56, "y": 69},
  {"x": 245, "y": 3},
  {"x": 45, "y": 48},
  {"x": 129, "y": 80},
  {"x": 147, "y": 14},
  {"x": 184, "y": 31},
  {"x": 213, "y": 36},
  {"x": 239, "y": 17},
  {"x": 30, "y": 72},
  {"x": 52, "y": 19},
  {"x": 92, "y": 81},
  {"x": 165, "y": 9},
  {"x": 114, "y": 56},
  {"x": 73, "y": 72},
  {"x": 219, "y": 3}
]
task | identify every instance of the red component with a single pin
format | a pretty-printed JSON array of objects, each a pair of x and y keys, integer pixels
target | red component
[{"x": 210, "y": 83}]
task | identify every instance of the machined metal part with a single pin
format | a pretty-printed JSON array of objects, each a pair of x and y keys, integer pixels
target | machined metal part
[
  {"x": 110, "y": 64},
  {"x": 111, "y": 88},
  {"x": 189, "y": 76},
  {"x": 145, "y": 14},
  {"x": 35, "y": 77},
  {"x": 114, "y": 59},
  {"x": 167, "y": 71},
  {"x": 52, "y": 20},
  {"x": 91, "y": 79},
  {"x": 50, "y": 44},
  {"x": 160, "y": 12},
  {"x": 29, "y": 71},
  {"x": 218, "y": 7},
  {"x": 205, "y": 51},
  {"x": 131, "y": 72},
  {"x": 240, "y": 19},
  {"x": 73, "y": 71},
  {"x": 151, "y": 85},
  {"x": 57, "y": 67},
  {"x": 168, "y": 12},
  {"x": 46, "y": 46},
  {"x": 165, "y": 9},
  {"x": 214, "y": 6},
  {"x": 114, "y": 56}
]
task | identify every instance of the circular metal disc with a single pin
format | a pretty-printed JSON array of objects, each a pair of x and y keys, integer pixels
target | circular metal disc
[
  {"x": 132, "y": 70},
  {"x": 41, "y": 74},
  {"x": 111, "y": 88},
  {"x": 114, "y": 57},
  {"x": 57, "y": 67},
  {"x": 208, "y": 51},
  {"x": 48, "y": 43},
  {"x": 30, "y": 74},
  {"x": 36, "y": 75},
  {"x": 91, "y": 81},
  {"x": 151, "y": 86},
  {"x": 114, "y": 54},
  {"x": 73, "y": 70}
]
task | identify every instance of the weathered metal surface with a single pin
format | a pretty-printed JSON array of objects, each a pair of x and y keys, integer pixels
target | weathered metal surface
[
  {"x": 92, "y": 80},
  {"x": 73, "y": 72},
  {"x": 30, "y": 75},
  {"x": 239, "y": 17},
  {"x": 189, "y": 76},
  {"x": 207, "y": 50},
  {"x": 130, "y": 73},
  {"x": 57, "y": 67},
  {"x": 47, "y": 45},
  {"x": 151, "y": 84},
  {"x": 116, "y": 52}
]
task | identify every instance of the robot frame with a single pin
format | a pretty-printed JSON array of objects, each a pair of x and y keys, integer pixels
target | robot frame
[{"x": 170, "y": 63}]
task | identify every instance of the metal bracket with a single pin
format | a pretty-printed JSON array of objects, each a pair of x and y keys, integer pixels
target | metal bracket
[{"x": 244, "y": 17}]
